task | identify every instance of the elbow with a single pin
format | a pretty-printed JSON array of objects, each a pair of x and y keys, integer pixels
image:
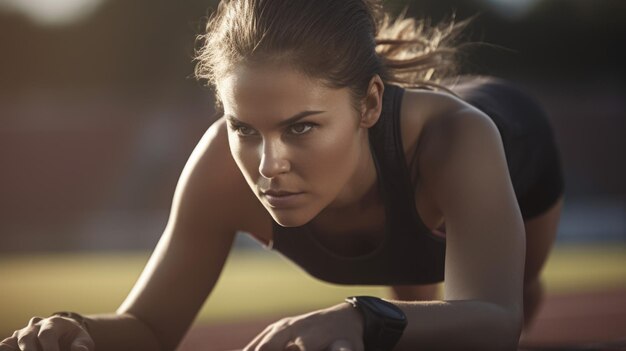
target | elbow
[
  {"x": 508, "y": 328},
  {"x": 516, "y": 318},
  {"x": 497, "y": 328},
  {"x": 149, "y": 338}
]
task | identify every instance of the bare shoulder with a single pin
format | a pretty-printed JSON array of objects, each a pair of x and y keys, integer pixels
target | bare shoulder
[
  {"x": 211, "y": 183},
  {"x": 437, "y": 125},
  {"x": 461, "y": 161},
  {"x": 440, "y": 131}
]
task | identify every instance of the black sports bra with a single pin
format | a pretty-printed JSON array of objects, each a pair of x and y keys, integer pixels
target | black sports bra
[{"x": 409, "y": 252}]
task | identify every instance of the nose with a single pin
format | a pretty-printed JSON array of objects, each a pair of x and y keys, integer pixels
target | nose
[{"x": 273, "y": 160}]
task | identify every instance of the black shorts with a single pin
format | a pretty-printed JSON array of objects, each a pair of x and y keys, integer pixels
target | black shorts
[{"x": 532, "y": 155}]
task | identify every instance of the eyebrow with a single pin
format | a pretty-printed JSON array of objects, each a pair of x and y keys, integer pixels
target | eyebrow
[{"x": 288, "y": 121}]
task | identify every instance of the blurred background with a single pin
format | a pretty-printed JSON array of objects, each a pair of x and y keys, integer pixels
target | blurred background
[{"x": 99, "y": 112}]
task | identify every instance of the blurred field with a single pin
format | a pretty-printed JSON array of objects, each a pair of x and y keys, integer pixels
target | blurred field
[{"x": 249, "y": 287}]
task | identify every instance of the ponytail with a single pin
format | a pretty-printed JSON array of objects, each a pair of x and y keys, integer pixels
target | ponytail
[{"x": 416, "y": 53}]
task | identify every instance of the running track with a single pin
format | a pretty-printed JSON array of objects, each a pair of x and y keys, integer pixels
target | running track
[{"x": 566, "y": 322}]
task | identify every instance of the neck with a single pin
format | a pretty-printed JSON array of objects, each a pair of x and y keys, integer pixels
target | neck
[{"x": 358, "y": 206}]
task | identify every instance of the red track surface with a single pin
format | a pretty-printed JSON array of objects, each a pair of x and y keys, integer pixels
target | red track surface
[{"x": 565, "y": 321}]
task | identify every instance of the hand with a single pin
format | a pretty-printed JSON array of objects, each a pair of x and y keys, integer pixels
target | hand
[
  {"x": 54, "y": 333},
  {"x": 338, "y": 328}
]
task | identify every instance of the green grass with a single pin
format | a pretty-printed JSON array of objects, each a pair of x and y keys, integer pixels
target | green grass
[{"x": 252, "y": 285}]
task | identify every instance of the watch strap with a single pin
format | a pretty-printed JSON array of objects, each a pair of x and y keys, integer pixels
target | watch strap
[{"x": 381, "y": 331}]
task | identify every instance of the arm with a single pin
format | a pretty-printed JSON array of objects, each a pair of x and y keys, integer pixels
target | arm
[
  {"x": 180, "y": 273},
  {"x": 188, "y": 259},
  {"x": 463, "y": 164},
  {"x": 462, "y": 160}
]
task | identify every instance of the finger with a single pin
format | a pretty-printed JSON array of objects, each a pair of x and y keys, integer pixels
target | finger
[
  {"x": 76, "y": 347},
  {"x": 295, "y": 345},
  {"x": 34, "y": 321},
  {"x": 27, "y": 339},
  {"x": 83, "y": 342},
  {"x": 60, "y": 332},
  {"x": 69, "y": 332},
  {"x": 253, "y": 344},
  {"x": 273, "y": 341},
  {"x": 340, "y": 345},
  {"x": 48, "y": 337},
  {"x": 9, "y": 344}
]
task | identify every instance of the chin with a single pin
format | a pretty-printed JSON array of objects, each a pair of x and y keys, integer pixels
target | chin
[{"x": 290, "y": 218}]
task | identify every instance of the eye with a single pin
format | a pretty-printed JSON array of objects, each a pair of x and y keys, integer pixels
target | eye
[
  {"x": 242, "y": 130},
  {"x": 301, "y": 128}
]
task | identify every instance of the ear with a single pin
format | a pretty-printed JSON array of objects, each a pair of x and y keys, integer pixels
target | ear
[{"x": 372, "y": 103}]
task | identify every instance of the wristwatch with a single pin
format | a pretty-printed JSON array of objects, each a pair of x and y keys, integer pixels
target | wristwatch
[{"x": 383, "y": 322}]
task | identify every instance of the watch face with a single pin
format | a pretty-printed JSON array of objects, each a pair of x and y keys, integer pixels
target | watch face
[
  {"x": 389, "y": 311},
  {"x": 383, "y": 321}
]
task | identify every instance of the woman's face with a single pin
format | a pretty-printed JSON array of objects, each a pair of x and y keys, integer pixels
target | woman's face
[{"x": 289, "y": 134}]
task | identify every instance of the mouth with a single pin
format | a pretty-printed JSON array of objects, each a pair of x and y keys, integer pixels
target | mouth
[
  {"x": 282, "y": 198},
  {"x": 279, "y": 193}
]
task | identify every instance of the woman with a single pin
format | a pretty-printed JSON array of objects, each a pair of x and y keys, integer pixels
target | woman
[{"x": 324, "y": 154}]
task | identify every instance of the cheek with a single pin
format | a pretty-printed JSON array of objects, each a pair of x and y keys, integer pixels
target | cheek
[
  {"x": 333, "y": 156},
  {"x": 245, "y": 156}
]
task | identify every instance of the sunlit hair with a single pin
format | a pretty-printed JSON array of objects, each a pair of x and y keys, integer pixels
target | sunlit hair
[{"x": 342, "y": 42}]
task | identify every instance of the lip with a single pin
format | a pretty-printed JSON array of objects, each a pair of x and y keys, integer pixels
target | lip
[
  {"x": 278, "y": 199},
  {"x": 273, "y": 192}
]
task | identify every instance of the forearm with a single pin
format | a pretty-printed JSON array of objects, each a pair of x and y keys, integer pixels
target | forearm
[
  {"x": 120, "y": 332},
  {"x": 458, "y": 325}
]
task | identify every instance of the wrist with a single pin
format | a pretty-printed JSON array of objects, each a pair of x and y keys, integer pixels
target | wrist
[
  {"x": 383, "y": 322},
  {"x": 353, "y": 317},
  {"x": 78, "y": 318}
]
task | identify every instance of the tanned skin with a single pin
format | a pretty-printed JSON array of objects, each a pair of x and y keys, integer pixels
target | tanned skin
[{"x": 324, "y": 156}]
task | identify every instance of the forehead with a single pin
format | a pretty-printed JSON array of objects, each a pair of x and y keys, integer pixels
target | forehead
[{"x": 276, "y": 91}]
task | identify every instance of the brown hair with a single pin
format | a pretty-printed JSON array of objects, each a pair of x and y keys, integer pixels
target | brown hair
[{"x": 345, "y": 43}]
